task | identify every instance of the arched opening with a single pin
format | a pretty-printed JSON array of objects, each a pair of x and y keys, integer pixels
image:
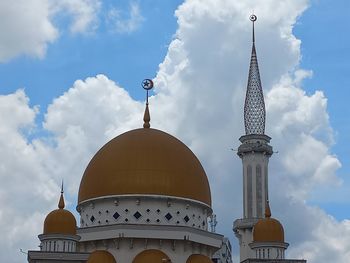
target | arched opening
[
  {"x": 197, "y": 258},
  {"x": 151, "y": 255},
  {"x": 101, "y": 256}
]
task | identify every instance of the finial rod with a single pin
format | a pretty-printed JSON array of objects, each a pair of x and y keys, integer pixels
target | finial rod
[
  {"x": 253, "y": 18},
  {"x": 147, "y": 84},
  {"x": 62, "y": 187}
]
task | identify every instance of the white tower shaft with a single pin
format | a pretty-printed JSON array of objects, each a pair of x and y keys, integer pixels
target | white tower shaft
[{"x": 255, "y": 152}]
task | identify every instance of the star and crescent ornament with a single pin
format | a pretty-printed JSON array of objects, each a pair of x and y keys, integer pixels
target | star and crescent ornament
[
  {"x": 147, "y": 84},
  {"x": 253, "y": 18}
]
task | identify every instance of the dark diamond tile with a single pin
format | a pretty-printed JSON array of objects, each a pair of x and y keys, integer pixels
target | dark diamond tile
[
  {"x": 92, "y": 218},
  {"x": 158, "y": 210},
  {"x": 168, "y": 216},
  {"x": 137, "y": 215},
  {"x": 116, "y": 215},
  {"x": 186, "y": 218},
  {"x": 148, "y": 210}
]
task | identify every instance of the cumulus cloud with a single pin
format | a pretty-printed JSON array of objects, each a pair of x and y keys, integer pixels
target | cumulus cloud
[
  {"x": 84, "y": 13},
  {"x": 27, "y": 28},
  {"x": 125, "y": 22},
  {"x": 26, "y": 190},
  {"x": 199, "y": 97}
]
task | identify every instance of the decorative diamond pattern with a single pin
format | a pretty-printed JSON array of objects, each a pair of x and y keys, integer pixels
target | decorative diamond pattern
[
  {"x": 186, "y": 218},
  {"x": 168, "y": 216},
  {"x": 116, "y": 215},
  {"x": 137, "y": 215},
  {"x": 254, "y": 107},
  {"x": 92, "y": 218}
]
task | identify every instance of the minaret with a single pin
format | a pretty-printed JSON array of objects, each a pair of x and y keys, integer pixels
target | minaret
[{"x": 255, "y": 153}]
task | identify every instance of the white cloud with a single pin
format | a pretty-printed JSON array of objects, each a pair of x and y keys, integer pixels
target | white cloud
[
  {"x": 26, "y": 190},
  {"x": 27, "y": 28},
  {"x": 84, "y": 13},
  {"x": 199, "y": 98},
  {"x": 121, "y": 22}
]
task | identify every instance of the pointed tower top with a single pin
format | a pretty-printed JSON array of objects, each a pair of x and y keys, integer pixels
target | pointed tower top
[
  {"x": 61, "y": 204},
  {"x": 147, "y": 84},
  {"x": 254, "y": 107},
  {"x": 267, "y": 210}
]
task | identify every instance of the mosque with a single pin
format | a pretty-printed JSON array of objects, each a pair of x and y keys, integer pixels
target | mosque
[{"x": 145, "y": 198}]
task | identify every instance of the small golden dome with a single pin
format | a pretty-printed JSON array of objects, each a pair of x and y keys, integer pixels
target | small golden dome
[
  {"x": 101, "y": 256},
  {"x": 268, "y": 229},
  {"x": 151, "y": 255},
  {"x": 60, "y": 221},
  {"x": 197, "y": 258},
  {"x": 145, "y": 161}
]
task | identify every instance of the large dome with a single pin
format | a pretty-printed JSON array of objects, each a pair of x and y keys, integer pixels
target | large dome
[{"x": 145, "y": 161}]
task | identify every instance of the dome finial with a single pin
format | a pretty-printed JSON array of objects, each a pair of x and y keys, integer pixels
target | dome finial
[
  {"x": 267, "y": 210},
  {"x": 61, "y": 202},
  {"x": 253, "y": 18},
  {"x": 147, "y": 84}
]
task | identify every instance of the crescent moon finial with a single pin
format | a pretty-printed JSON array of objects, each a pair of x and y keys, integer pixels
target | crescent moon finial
[
  {"x": 147, "y": 84},
  {"x": 253, "y": 18}
]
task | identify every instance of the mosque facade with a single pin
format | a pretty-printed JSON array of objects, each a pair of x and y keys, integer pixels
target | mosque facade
[{"x": 145, "y": 198}]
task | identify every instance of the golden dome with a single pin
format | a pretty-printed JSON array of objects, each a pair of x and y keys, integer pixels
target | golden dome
[
  {"x": 268, "y": 229},
  {"x": 145, "y": 161},
  {"x": 151, "y": 255},
  {"x": 198, "y": 259},
  {"x": 101, "y": 256},
  {"x": 60, "y": 221}
]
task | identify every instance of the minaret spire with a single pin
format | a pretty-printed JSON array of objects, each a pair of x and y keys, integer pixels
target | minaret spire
[{"x": 254, "y": 107}]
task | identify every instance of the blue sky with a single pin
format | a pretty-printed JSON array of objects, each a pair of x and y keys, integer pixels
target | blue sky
[
  {"x": 129, "y": 44},
  {"x": 127, "y": 58},
  {"x": 324, "y": 32}
]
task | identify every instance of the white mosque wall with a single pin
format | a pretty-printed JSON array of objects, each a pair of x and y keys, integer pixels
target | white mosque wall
[{"x": 144, "y": 210}]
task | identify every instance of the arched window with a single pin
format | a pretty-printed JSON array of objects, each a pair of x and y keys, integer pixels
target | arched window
[
  {"x": 198, "y": 258},
  {"x": 151, "y": 255}
]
